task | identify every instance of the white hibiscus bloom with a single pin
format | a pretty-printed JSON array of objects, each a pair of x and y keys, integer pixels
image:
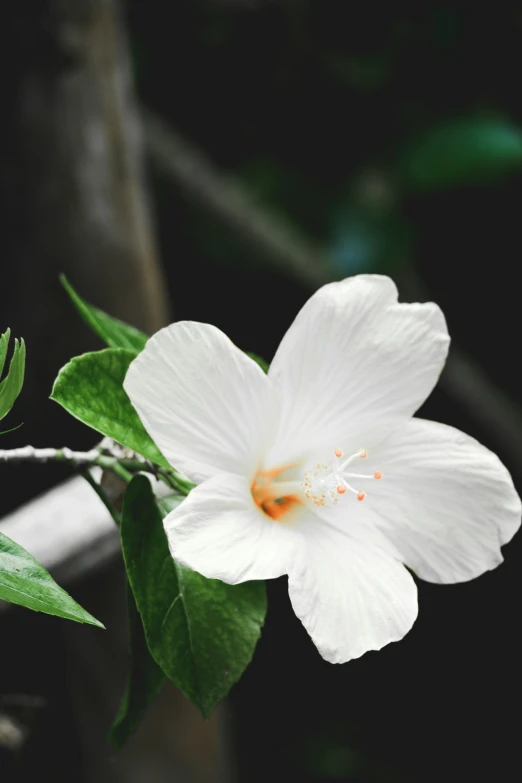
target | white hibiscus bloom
[{"x": 283, "y": 461}]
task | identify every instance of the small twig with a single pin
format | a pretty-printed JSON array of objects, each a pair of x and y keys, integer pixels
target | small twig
[
  {"x": 123, "y": 467},
  {"x": 235, "y": 206},
  {"x": 32, "y": 454},
  {"x": 116, "y": 466}
]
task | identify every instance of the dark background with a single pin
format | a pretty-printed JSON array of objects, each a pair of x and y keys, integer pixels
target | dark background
[{"x": 385, "y": 141}]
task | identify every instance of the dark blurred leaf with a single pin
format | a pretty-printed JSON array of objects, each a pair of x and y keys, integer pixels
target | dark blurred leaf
[
  {"x": 25, "y": 582},
  {"x": 365, "y": 239},
  {"x": 112, "y": 331},
  {"x": 290, "y": 193},
  {"x": 91, "y": 389},
  {"x": 364, "y": 73},
  {"x": 12, "y": 384},
  {"x": 461, "y": 152},
  {"x": 202, "y": 632},
  {"x": 144, "y": 680},
  {"x": 330, "y": 754}
]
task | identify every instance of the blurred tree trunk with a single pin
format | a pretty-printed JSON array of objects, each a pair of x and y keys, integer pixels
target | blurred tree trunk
[
  {"x": 71, "y": 174},
  {"x": 73, "y": 167},
  {"x": 73, "y": 196}
]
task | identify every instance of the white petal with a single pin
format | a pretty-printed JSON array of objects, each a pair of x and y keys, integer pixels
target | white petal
[
  {"x": 445, "y": 501},
  {"x": 350, "y": 597},
  {"x": 206, "y": 404},
  {"x": 220, "y": 532},
  {"x": 353, "y": 360}
]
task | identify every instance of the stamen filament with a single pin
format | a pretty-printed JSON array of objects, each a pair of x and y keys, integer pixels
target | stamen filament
[
  {"x": 325, "y": 482},
  {"x": 361, "y": 454},
  {"x": 361, "y": 475},
  {"x": 348, "y": 486}
]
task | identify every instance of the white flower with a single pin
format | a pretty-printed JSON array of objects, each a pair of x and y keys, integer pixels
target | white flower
[{"x": 282, "y": 461}]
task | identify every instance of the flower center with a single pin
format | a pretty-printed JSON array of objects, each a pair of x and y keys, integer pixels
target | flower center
[
  {"x": 323, "y": 485},
  {"x": 276, "y": 498}
]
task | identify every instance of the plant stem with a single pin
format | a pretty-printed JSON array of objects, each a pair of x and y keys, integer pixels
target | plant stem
[
  {"x": 117, "y": 466},
  {"x": 123, "y": 467}
]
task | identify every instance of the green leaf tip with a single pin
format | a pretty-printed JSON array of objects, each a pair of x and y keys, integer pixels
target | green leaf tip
[
  {"x": 113, "y": 332},
  {"x": 25, "y": 582}
]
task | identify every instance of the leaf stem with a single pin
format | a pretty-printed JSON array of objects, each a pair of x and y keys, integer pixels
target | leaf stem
[{"x": 108, "y": 456}]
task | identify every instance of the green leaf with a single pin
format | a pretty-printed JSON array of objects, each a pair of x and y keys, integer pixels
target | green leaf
[
  {"x": 112, "y": 331},
  {"x": 462, "y": 152},
  {"x": 25, "y": 582},
  {"x": 144, "y": 680},
  {"x": 12, "y": 384},
  {"x": 202, "y": 632},
  {"x": 90, "y": 388},
  {"x": 262, "y": 363}
]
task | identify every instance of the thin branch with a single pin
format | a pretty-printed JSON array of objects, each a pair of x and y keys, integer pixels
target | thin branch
[
  {"x": 122, "y": 466},
  {"x": 32, "y": 454},
  {"x": 225, "y": 198}
]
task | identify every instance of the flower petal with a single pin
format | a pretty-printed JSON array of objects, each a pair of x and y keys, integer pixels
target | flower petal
[
  {"x": 206, "y": 404},
  {"x": 221, "y": 533},
  {"x": 352, "y": 360},
  {"x": 445, "y": 501},
  {"x": 350, "y": 597}
]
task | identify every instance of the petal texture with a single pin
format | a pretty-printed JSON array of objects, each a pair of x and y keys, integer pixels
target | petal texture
[
  {"x": 352, "y": 361},
  {"x": 350, "y": 597},
  {"x": 445, "y": 501},
  {"x": 206, "y": 404},
  {"x": 221, "y": 533}
]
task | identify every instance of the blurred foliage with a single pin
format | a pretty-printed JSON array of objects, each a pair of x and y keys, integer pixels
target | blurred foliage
[
  {"x": 329, "y": 754},
  {"x": 305, "y": 101},
  {"x": 462, "y": 152}
]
